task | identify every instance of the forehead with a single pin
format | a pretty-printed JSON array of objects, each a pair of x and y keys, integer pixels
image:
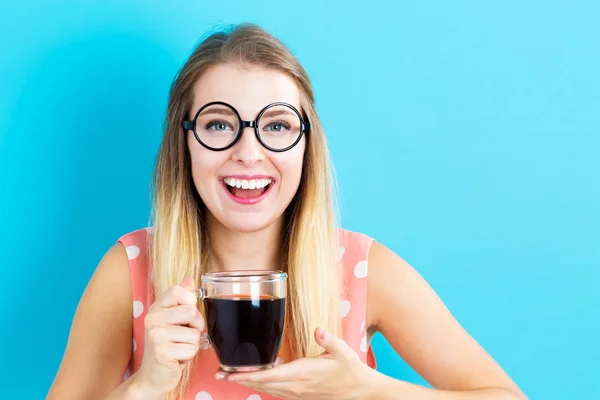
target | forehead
[{"x": 248, "y": 89}]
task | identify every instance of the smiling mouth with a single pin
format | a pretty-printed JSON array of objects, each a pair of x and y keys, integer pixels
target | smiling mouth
[{"x": 247, "y": 188}]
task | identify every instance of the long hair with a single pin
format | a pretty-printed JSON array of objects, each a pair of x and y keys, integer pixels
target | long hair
[{"x": 179, "y": 245}]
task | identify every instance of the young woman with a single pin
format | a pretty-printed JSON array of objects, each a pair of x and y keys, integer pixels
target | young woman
[{"x": 243, "y": 182}]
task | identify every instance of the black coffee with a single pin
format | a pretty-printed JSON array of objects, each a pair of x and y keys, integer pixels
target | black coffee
[{"x": 245, "y": 331}]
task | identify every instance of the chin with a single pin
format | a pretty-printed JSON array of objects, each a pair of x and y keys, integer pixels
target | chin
[{"x": 248, "y": 223}]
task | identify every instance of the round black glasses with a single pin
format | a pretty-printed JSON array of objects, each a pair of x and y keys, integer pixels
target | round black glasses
[{"x": 218, "y": 126}]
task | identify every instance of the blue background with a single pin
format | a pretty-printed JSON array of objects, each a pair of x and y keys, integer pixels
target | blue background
[{"x": 466, "y": 137}]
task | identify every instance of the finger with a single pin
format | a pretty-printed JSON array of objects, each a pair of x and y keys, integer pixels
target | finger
[
  {"x": 177, "y": 295},
  {"x": 183, "y": 334},
  {"x": 176, "y": 351},
  {"x": 162, "y": 335},
  {"x": 184, "y": 315},
  {"x": 330, "y": 343},
  {"x": 280, "y": 390},
  {"x": 221, "y": 375},
  {"x": 282, "y": 373}
]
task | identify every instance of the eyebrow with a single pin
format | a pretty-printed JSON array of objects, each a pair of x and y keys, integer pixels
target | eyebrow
[
  {"x": 218, "y": 110},
  {"x": 228, "y": 112},
  {"x": 274, "y": 113}
]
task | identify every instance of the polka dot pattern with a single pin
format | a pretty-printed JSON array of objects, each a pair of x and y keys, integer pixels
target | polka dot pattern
[
  {"x": 344, "y": 308},
  {"x": 132, "y": 252},
  {"x": 361, "y": 270},
  {"x": 138, "y": 309},
  {"x": 340, "y": 253},
  {"x": 352, "y": 255}
]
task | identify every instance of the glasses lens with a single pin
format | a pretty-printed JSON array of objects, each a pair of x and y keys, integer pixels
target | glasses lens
[
  {"x": 279, "y": 127},
  {"x": 217, "y": 126}
]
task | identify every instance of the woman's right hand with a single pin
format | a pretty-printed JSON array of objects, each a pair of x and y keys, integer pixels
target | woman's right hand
[{"x": 173, "y": 328}]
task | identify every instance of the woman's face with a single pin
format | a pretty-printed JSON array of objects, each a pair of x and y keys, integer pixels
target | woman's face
[{"x": 217, "y": 175}]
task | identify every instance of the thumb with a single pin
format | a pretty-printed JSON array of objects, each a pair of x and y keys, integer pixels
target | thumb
[
  {"x": 188, "y": 283},
  {"x": 332, "y": 345}
]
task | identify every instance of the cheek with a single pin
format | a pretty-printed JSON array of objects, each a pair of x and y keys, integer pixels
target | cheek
[
  {"x": 204, "y": 165},
  {"x": 290, "y": 166}
]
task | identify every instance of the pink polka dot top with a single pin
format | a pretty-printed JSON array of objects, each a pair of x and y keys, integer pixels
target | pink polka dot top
[{"x": 353, "y": 252}]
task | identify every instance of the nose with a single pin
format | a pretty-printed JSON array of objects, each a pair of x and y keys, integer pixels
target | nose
[{"x": 248, "y": 150}]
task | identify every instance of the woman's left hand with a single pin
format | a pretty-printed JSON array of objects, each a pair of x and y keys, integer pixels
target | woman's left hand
[{"x": 338, "y": 373}]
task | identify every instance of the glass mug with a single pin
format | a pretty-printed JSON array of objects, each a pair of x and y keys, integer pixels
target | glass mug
[{"x": 245, "y": 317}]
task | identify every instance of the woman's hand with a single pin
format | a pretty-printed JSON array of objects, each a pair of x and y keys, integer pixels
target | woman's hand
[
  {"x": 336, "y": 374},
  {"x": 173, "y": 329}
]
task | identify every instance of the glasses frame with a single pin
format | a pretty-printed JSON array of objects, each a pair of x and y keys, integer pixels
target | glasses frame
[{"x": 191, "y": 125}]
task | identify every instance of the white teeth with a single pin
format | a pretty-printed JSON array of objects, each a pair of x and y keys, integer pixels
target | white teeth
[{"x": 247, "y": 184}]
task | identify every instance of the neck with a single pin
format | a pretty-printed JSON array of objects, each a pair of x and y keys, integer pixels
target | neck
[{"x": 242, "y": 251}]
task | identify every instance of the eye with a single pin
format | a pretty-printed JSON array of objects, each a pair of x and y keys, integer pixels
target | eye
[
  {"x": 219, "y": 126},
  {"x": 277, "y": 126}
]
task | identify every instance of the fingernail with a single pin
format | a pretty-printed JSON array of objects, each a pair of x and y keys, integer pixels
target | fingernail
[
  {"x": 186, "y": 282},
  {"x": 220, "y": 376},
  {"x": 322, "y": 333}
]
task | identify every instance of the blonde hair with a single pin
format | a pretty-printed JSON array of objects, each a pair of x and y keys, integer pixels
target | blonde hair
[{"x": 179, "y": 247}]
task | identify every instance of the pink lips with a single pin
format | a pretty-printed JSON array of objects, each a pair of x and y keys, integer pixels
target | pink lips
[{"x": 247, "y": 200}]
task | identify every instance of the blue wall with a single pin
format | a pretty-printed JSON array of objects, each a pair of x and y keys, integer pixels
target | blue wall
[{"x": 483, "y": 174}]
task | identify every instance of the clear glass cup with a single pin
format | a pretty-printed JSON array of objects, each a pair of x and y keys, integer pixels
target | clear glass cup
[{"x": 245, "y": 317}]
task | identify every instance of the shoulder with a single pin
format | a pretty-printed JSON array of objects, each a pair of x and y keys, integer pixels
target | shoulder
[
  {"x": 376, "y": 254},
  {"x": 113, "y": 268},
  {"x": 382, "y": 275},
  {"x": 137, "y": 249},
  {"x": 349, "y": 235},
  {"x": 353, "y": 243},
  {"x": 382, "y": 258},
  {"x": 138, "y": 237},
  {"x": 387, "y": 274},
  {"x": 114, "y": 272}
]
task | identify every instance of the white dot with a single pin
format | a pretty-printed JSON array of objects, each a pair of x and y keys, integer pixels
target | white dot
[
  {"x": 132, "y": 252},
  {"x": 339, "y": 252},
  {"x": 254, "y": 397},
  {"x": 127, "y": 374},
  {"x": 362, "y": 326},
  {"x": 134, "y": 345},
  {"x": 203, "y": 396},
  {"x": 363, "y": 344},
  {"x": 344, "y": 308},
  {"x": 361, "y": 269},
  {"x": 138, "y": 308}
]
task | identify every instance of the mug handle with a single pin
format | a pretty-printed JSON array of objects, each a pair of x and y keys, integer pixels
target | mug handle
[{"x": 204, "y": 339}]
